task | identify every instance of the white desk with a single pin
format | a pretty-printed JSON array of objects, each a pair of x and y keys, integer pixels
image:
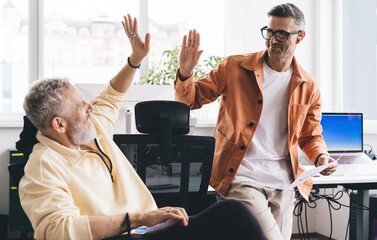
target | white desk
[{"x": 355, "y": 182}]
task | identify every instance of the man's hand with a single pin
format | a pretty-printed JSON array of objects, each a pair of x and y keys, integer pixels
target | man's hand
[
  {"x": 325, "y": 159},
  {"x": 109, "y": 226},
  {"x": 190, "y": 54},
  {"x": 161, "y": 215},
  {"x": 140, "y": 49}
]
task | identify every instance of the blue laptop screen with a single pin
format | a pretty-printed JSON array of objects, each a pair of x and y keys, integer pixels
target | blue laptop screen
[{"x": 343, "y": 132}]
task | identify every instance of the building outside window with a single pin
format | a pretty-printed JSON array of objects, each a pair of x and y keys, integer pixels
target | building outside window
[{"x": 13, "y": 54}]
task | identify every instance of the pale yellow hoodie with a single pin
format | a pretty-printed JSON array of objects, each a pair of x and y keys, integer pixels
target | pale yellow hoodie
[{"x": 62, "y": 187}]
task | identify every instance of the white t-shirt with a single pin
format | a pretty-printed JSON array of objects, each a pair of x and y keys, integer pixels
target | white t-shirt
[{"x": 267, "y": 159}]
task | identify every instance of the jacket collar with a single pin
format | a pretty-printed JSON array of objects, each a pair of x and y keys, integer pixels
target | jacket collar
[
  {"x": 255, "y": 63},
  {"x": 73, "y": 155}
]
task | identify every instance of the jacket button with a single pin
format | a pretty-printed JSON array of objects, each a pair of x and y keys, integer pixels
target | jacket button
[
  {"x": 260, "y": 101},
  {"x": 242, "y": 147},
  {"x": 251, "y": 124},
  {"x": 231, "y": 170}
]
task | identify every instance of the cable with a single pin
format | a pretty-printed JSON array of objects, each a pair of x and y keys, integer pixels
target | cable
[
  {"x": 371, "y": 148},
  {"x": 349, "y": 220},
  {"x": 329, "y": 205},
  {"x": 333, "y": 203},
  {"x": 306, "y": 220},
  {"x": 370, "y": 153}
]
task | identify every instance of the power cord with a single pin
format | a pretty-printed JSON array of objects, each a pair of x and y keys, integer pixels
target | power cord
[
  {"x": 370, "y": 152},
  {"x": 333, "y": 204}
]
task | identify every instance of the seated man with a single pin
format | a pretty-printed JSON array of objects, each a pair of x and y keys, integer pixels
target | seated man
[{"x": 79, "y": 185}]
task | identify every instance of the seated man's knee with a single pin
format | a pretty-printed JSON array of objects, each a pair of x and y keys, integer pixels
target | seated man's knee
[{"x": 233, "y": 206}]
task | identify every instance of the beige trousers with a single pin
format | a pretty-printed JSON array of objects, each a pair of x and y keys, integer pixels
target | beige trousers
[{"x": 272, "y": 207}]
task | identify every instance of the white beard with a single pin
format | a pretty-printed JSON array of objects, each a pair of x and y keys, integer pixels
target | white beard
[{"x": 81, "y": 134}]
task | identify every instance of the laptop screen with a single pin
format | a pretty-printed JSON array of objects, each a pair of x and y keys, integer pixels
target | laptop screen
[{"x": 343, "y": 132}]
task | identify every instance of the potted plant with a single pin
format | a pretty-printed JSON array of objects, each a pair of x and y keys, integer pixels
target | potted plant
[{"x": 164, "y": 72}]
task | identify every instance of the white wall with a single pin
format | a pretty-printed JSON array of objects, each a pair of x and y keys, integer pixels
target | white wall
[{"x": 244, "y": 19}]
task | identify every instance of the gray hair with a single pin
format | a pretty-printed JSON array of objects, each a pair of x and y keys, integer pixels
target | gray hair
[
  {"x": 288, "y": 10},
  {"x": 44, "y": 102}
]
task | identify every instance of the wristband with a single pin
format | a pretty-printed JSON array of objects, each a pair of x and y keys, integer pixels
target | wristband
[
  {"x": 128, "y": 224},
  {"x": 180, "y": 77},
  {"x": 319, "y": 155},
  {"x": 129, "y": 63}
]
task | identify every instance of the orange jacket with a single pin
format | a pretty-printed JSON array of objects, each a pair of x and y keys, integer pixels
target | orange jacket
[{"x": 238, "y": 79}]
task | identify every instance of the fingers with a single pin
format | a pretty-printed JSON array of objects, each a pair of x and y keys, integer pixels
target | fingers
[
  {"x": 135, "y": 26},
  {"x": 147, "y": 42},
  {"x": 129, "y": 25},
  {"x": 197, "y": 41},
  {"x": 199, "y": 54},
  {"x": 184, "y": 41},
  {"x": 126, "y": 26},
  {"x": 178, "y": 214},
  {"x": 328, "y": 171},
  {"x": 189, "y": 39},
  {"x": 331, "y": 169},
  {"x": 129, "y": 22},
  {"x": 193, "y": 38},
  {"x": 185, "y": 216}
]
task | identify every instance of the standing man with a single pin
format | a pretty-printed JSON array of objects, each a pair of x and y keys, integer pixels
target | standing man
[{"x": 270, "y": 105}]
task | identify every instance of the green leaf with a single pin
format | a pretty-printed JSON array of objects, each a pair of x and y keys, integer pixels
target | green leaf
[{"x": 164, "y": 72}]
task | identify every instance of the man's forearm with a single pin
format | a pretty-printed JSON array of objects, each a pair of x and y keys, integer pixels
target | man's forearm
[
  {"x": 109, "y": 226},
  {"x": 122, "y": 81}
]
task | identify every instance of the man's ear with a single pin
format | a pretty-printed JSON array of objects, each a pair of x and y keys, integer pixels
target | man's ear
[
  {"x": 301, "y": 36},
  {"x": 59, "y": 124}
]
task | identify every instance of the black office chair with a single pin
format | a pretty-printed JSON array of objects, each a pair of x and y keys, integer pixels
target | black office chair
[
  {"x": 16, "y": 172},
  {"x": 175, "y": 167},
  {"x": 18, "y": 220},
  {"x": 25, "y": 145}
]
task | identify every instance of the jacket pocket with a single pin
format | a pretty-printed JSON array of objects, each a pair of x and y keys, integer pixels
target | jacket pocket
[
  {"x": 298, "y": 115},
  {"x": 223, "y": 152}
]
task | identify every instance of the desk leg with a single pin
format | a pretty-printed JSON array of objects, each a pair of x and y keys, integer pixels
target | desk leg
[{"x": 362, "y": 217}]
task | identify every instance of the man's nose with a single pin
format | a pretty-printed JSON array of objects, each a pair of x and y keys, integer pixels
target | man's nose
[{"x": 273, "y": 39}]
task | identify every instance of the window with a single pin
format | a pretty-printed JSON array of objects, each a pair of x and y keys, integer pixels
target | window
[
  {"x": 90, "y": 46},
  {"x": 86, "y": 46},
  {"x": 13, "y": 54},
  {"x": 360, "y": 58},
  {"x": 170, "y": 20}
]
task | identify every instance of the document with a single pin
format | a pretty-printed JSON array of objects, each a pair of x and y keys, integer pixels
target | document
[
  {"x": 156, "y": 228},
  {"x": 310, "y": 173}
]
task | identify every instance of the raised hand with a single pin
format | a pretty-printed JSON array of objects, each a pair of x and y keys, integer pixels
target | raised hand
[
  {"x": 161, "y": 215},
  {"x": 140, "y": 48},
  {"x": 190, "y": 54}
]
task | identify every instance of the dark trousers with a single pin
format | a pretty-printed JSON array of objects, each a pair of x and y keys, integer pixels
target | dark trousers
[{"x": 228, "y": 219}]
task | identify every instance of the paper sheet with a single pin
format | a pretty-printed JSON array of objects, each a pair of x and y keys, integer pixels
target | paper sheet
[{"x": 309, "y": 174}]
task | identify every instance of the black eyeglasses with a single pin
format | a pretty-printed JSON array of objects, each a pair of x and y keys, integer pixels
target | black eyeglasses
[{"x": 280, "y": 35}]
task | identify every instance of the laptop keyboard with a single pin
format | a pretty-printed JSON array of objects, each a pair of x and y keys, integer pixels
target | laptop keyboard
[
  {"x": 353, "y": 159},
  {"x": 355, "y": 164}
]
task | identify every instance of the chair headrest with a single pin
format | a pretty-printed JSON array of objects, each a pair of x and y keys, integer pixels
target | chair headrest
[
  {"x": 27, "y": 138},
  {"x": 148, "y": 116}
]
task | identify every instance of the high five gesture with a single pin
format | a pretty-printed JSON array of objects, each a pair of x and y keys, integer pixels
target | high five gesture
[
  {"x": 190, "y": 54},
  {"x": 122, "y": 81},
  {"x": 140, "y": 48}
]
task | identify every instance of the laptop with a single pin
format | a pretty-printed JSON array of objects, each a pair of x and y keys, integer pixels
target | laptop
[{"x": 343, "y": 134}]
